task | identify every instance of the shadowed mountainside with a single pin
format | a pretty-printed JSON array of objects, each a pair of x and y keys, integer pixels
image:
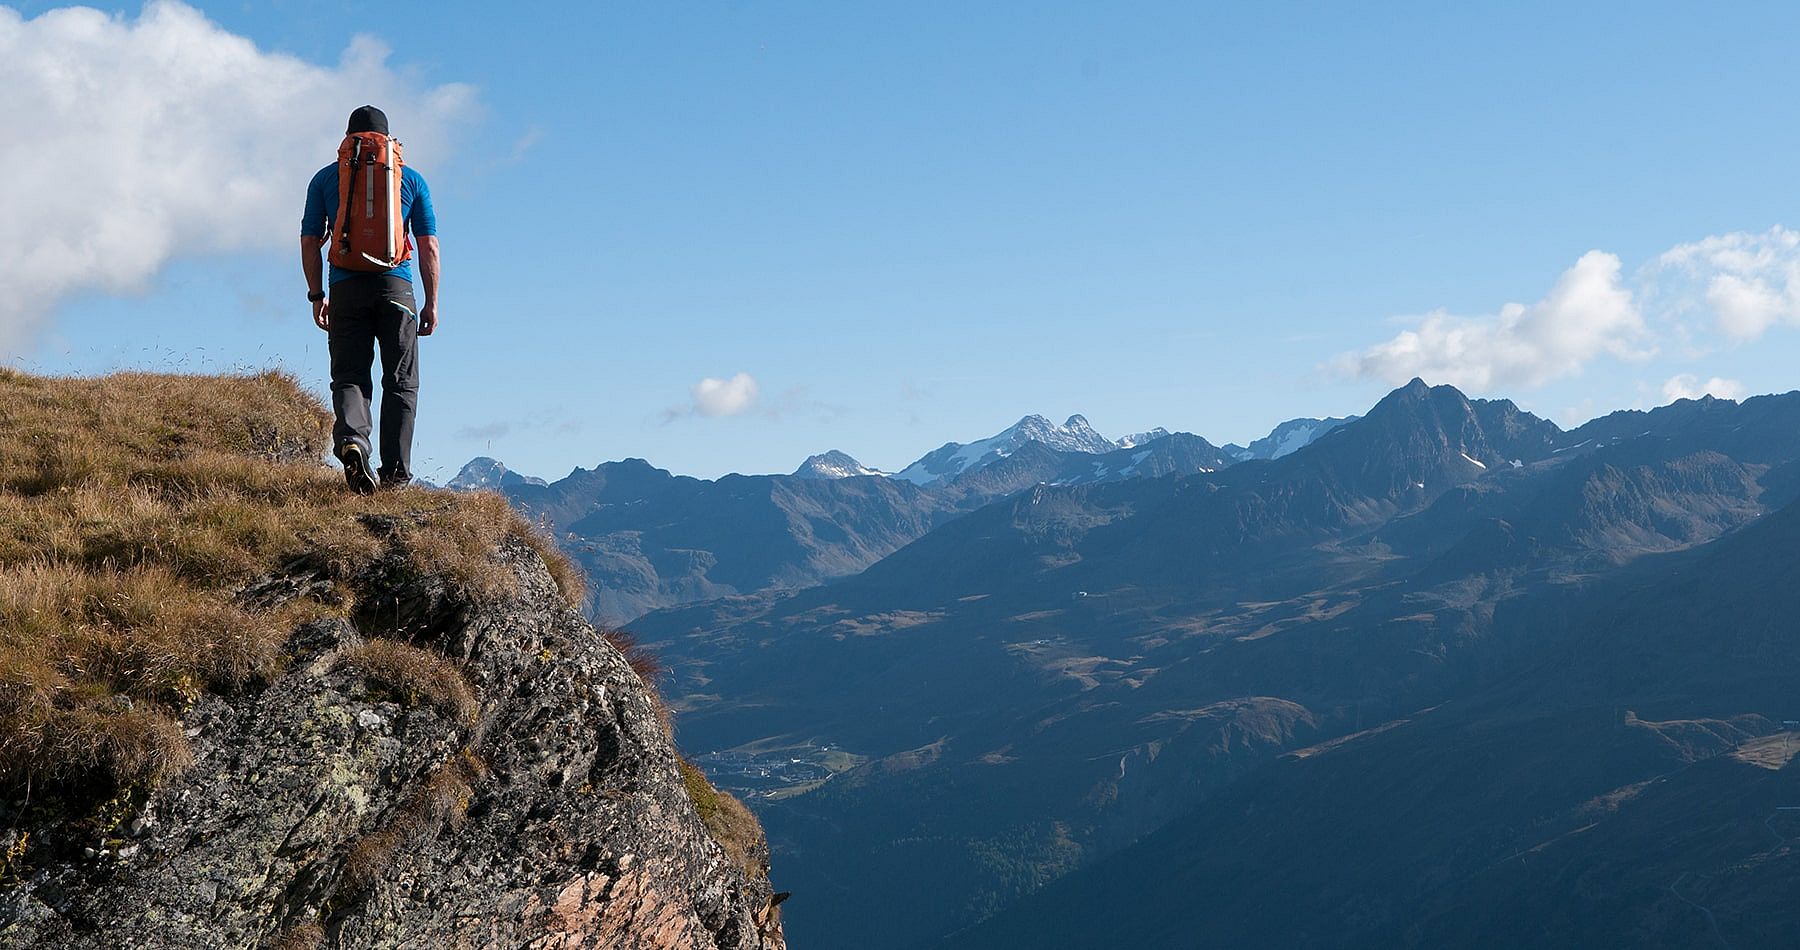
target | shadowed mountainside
[
  {"x": 1623, "y": 788},
  {"x": 1038, "y": 684},
  {"x": 651, "y": 539}
]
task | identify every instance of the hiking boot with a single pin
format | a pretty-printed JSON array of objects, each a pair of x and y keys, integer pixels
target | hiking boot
[
  {"x": 392, "y": 482},
  {"x": 356, "y": 468}
]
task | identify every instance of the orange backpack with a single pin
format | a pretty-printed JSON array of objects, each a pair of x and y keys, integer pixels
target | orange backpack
[{"x": 369, "y": 234}]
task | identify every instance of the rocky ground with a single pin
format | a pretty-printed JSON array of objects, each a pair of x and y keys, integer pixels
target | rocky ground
[{"x": 539, "y": 803}]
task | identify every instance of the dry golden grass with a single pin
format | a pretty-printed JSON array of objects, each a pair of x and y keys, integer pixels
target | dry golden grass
[
  {"x": 441, "y": 800},
  {"x": 135, "y": 508},
  {"x": 415, "y": 674},
  {"x": 304, "y": 936},
  {"x": 644, "y": 662},
  {"x": 648, "y": 667},
  {"x": 729, "y": 822}
]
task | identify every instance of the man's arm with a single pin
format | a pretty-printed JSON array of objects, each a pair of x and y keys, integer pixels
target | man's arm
[
  {"x": 429, "y": 268},
  {"x": 315, "y": 278}
]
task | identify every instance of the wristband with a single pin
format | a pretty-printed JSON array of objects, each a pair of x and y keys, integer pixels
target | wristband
[{"x": 315, "y": 296}]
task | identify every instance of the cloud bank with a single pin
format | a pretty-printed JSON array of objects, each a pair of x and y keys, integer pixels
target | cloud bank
[
  {"x": 131, "y": 142},
  {"x": 1587, "y": 313},
  {"x": 1747, "y": 282},
  {"x": 1689, "y": 386},
  {"x": 1729, "y": 288}
]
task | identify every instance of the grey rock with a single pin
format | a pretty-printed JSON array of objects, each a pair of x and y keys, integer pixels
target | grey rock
[{"x": 557, "y": 818}]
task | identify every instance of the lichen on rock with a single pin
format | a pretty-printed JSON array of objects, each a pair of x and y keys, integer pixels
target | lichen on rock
[{"x": 428, "y": 761}]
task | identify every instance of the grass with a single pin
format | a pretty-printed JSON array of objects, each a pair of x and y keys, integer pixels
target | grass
[
  {"x": 135, "y": 509},
  {"x": 441, "y": 800},
  {"x": 648, "y": 667},
  {"x": 304, "y": 936},
  {"x": 728, "y": 821},
  {"x": 415, "y": 675},
  {"x": 644, "y": 662}
]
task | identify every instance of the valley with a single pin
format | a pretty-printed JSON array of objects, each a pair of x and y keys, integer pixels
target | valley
[{"x": 1076, "y": 680}]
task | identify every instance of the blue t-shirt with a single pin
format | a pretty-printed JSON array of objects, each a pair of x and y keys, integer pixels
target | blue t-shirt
[{"x": 322, "y": 205}]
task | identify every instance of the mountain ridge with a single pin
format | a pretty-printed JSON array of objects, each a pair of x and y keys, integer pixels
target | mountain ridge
[
  {"x": 653, "y": 539},
  {"x": 1654, "y": 771},
  {"x": 833, "y": 464},
  {"x": 955, "y": 458},
  {"x": 1087, "y": 662},
  {"x": 1286, "y": 438}
]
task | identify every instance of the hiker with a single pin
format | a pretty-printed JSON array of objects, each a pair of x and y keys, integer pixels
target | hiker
[{"x": 364, "y": 205}]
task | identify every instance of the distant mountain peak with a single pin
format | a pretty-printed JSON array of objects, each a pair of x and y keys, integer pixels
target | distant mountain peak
[
  {"x": 1431, "y": 436},
  {"x": 1287, "y": 438},
  {"x": 1143, "y": 438},
  {"x": 1411, "y": 394},
  {"x": 833, "y": 464},
  {"x": 489, "y": 474},
  {"x": 956, "y": 458}
]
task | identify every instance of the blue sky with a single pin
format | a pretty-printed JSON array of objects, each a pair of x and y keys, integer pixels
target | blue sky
[{"x": 917, "y": 222}]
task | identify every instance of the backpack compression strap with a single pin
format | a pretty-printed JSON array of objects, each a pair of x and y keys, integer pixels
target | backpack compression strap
[{"x": 354, "y": 235}]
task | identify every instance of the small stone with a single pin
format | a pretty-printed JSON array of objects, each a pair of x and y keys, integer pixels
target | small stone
[
  {"x": 370, "y": 719},
  {"x": 128, "y": 852},
  {"x": 192, "y": 733}
]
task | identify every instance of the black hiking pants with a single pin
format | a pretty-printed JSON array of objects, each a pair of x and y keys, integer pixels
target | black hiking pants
[{"x": 366, "y": 311}]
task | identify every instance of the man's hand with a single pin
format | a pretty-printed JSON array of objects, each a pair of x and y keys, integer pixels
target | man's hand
[
  {"x": 430, "y": 265},
  {"x": 314, "y": 269}
]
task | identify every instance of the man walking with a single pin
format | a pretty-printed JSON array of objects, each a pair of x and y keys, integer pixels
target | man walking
[{"x": 371, "y": 303}]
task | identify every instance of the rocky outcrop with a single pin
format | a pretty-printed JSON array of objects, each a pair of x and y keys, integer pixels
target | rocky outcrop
[{"x": 535, "y": 800}]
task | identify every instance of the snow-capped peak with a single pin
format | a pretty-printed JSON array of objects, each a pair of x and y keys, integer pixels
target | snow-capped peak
[
  {"x": 1075, "y": 435},
  {"x": 486, "y": 474},
  {"x": 833, "y": 464},
  {"x": 955, "y": 458},
  {"x": 1140, "y": 438},
  {"x": 1287, "y": 438}
]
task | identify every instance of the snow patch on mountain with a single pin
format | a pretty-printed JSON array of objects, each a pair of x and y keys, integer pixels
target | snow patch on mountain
[
  {"x": 1286, "y": 439},
  {"x": 1137, "y": 458}
]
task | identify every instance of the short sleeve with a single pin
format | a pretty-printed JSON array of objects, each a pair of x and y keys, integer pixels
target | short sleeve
[
  {"x": 316, "y": 220},
  {"x": 422, "y": 217}
]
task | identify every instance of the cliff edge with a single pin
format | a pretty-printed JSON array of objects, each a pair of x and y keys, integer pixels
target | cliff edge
[{"x": 242, "y": 708}]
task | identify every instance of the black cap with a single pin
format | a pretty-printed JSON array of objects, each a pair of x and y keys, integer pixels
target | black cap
[{"x": 367, "y": 119}]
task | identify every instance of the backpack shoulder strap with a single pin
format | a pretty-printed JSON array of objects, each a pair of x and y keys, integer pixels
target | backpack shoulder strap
[{"x": 347, "y": 161}]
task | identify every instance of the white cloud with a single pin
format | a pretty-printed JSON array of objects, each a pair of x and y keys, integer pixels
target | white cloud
[
  {"x": 132, "y": 142},
  {"x": 724, "y": 397},
  {"x": 1688, "y": 300},
  {"x": 1748, "y": 282},
  {"x": 1689, "y": 386},
  {"x": 1589, "y": 312}
]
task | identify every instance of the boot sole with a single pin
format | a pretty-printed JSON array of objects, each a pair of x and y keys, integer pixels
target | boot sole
[{"x": 356, "y": 470}]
